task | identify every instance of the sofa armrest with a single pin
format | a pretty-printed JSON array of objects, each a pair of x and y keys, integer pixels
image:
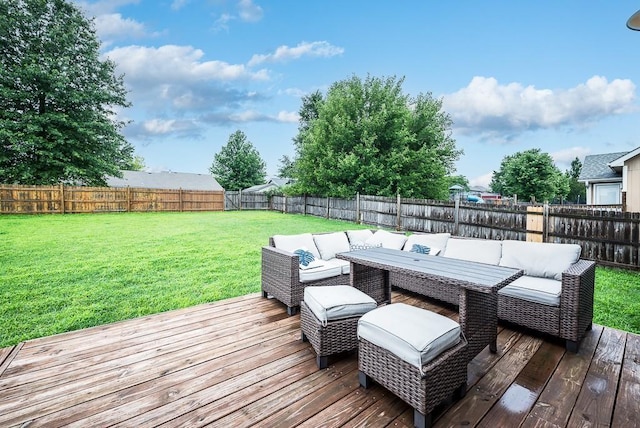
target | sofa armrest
[
  {"x": 576, "y": 300},
  {"x": 281, "y": 275}
]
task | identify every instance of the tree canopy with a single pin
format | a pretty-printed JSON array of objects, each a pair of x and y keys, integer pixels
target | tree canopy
[
  {"x": 531, "y": 174},
  {"x": 238, "y": 165},
  {"x": 57, "y": 98},
  {"x": 367, "y": 136}
]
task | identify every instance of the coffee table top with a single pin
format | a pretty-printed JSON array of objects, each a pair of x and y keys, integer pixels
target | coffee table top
[{"x": 471, "y": 274}]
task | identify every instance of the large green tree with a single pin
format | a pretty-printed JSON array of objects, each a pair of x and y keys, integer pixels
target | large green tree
[
  {"x": 367, "y": 136},
  {"x": 531, "y": 175},
  {"x": 57, "y": 97},
  {"x": 287, "y": 168},
  {"x": 238, "y": 165}
]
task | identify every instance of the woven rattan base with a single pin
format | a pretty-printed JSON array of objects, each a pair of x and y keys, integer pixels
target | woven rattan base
[
  {"x": 441, "y": 378},
  {"x": 336, "y": 337}
]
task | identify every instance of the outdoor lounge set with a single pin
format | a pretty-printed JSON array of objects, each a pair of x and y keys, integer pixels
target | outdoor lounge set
[{"x": 341, "y": 282}]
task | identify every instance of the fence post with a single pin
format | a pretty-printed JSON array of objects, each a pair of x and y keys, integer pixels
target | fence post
[
  {"x": 128, "y": 199},
  {"x": 62, "y": 198},
  {"x": 284, "y": 208},
  {"x": 398, "y": 219},
  {"x": 358, "y": 219},
  {"x": 181, "y": 199},
  {"x": 545, "y": 223},
  {"x": 304, "y": 209},
  {"x": 456, "y": 215},
  {"x": 328, "y": 202}
]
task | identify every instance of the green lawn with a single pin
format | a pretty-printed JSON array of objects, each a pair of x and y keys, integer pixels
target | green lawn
[{"x": 65, "y": 272}]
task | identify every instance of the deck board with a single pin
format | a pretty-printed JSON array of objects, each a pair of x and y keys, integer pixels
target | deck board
[{"x": 240, "y": 362}]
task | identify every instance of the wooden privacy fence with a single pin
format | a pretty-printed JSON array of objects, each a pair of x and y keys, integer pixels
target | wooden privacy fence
[
  {"x": 239, "y": 200},
  {"x": 15, "y": 199},
  {"x": 607, "y": 236}
]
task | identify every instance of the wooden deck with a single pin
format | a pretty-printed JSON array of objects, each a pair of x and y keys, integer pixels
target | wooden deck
[{"x": 241, "y": 362}]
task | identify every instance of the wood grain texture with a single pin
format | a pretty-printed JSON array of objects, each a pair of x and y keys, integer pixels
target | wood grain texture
[{"x": 240, "y": 362}]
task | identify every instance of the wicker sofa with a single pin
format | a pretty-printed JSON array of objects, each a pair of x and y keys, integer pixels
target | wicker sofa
[
  {"x": 554, "y": 296},
  {"x": 284, "y": 278}
]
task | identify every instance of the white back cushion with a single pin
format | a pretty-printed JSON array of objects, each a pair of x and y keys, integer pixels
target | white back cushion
[
  {"x": 331, "y": 243},
  {"x": 394, "y": 241},
  {"x": 436, "y": 241},
  {"x": 291, "y": 243},
  {"x": 543, "y": 260},
  {"x": 474, "y": 250},
  {"x": 359, "y": 236}
]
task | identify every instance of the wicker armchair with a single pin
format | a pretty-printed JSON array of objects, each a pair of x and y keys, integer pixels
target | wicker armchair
[
  {"x": 281, "y": 278},
  {"x": 570, "y": 320}
]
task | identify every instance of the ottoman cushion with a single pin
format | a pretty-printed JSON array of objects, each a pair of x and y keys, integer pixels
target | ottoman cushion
[
  {"x": 334, "y": 302},
  {"x": 412, "y": 334}
]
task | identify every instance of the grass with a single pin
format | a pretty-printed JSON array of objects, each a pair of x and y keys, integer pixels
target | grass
[{"x": 65, "y": 272}]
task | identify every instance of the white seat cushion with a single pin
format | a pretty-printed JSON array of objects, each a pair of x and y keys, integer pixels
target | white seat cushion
[
  {"x": 359, "y": 236},
  {"x": 345, "y": 266},
  {"x": 533, "y": 289},
  {"x": 437, "y": 242},
  {"x": 390, "y": 240},
  {"x": 324, "y": 270},
  {"x": 329, "y": 244},
  {"x": 333, "y": 302},
  {"x": 544, "y": 260},
  {"x": 291, "y": 243},
  {"x": 474, "y": 250},
  {"x": 412, "y": 334}
]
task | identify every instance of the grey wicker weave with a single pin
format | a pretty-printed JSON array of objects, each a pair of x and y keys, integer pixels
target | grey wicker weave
[
  {"x": 336, "y": 337},
  {"x": 443, "y": 377},
  {"x": 570, "y": 320},
  {"x": 281, "y": 279}
]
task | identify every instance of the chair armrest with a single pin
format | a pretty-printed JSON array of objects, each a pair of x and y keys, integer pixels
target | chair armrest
[
  {"x": 281, "y": 263},
  {"x": 576, "y": 299}
]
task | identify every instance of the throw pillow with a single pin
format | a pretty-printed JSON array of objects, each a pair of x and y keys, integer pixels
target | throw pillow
[
  {"x": 304, "y": 256},
  {"x": 422, "y": 249}
]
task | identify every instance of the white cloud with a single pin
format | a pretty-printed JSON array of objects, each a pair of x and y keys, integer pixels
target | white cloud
[
  {"x": 249, "y": 11},
  {"x": 566, "y": 156},
  {"x": 288, "y": 117},
  {"x": 491, "y": 109},
  {"x": 286, "y": 53},
  {"x": 103, "y": 6},
  {"x": 176, "y": 63},
  {"x": 113, "y": 25},
  {"x": 483, "y": 180},
  {"x": 222, "y": 23}
]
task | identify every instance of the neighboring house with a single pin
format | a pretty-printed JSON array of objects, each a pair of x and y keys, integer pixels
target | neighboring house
[
  {"x": 613, "y": 178},
  {"x": 272, "y": 184},
  {"x": 165, "y": 180}
]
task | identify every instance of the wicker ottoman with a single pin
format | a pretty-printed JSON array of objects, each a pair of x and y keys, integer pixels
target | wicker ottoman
[
  {"x": 329, "y": 318},
  {"x": 418, "y": 355}
]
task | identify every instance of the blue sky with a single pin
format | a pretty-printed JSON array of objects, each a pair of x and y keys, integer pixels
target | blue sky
[{"x": 558, "y": 76}]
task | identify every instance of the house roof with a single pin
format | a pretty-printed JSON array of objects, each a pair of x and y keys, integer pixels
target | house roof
[
  {"x": 165, "y": 180},
  {"x": 273, "y": 183},
  {"x": 260, "y": 188},
  {"x": 596, "y": 167},
  {"x": 619, "y": 162}
]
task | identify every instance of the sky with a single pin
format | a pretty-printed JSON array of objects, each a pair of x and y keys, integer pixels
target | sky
[{"x": 559, "y": 76}]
